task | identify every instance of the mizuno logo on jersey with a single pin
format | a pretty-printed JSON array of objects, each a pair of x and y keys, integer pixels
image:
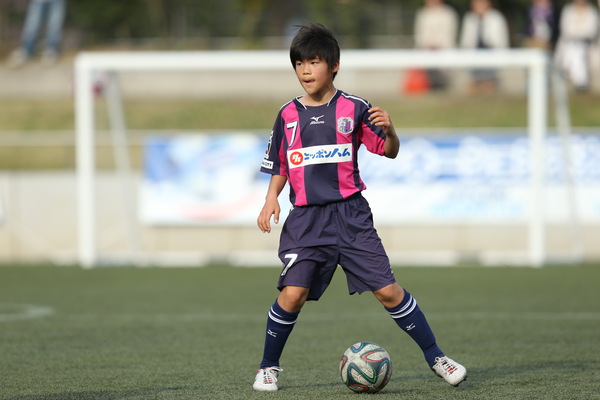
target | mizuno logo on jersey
[
  {"x": 317, "y": 120},
  {"x": 326, "y": 154}
]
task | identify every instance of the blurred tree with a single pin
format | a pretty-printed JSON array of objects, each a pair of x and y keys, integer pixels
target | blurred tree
[
  {"x": 252, "y": 11},
  {"x": 110, "y": 19},
  {"x": 168, "y": 24},
  {"x": 157, "y": 12}
]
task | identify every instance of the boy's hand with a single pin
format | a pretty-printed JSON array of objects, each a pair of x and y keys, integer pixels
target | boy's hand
[
  {"x": 380, "y": 117},
  {"x": 271, "y": 208}
]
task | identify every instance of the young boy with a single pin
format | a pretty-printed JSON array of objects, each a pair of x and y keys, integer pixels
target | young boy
[{"x": 314, "y": 145}]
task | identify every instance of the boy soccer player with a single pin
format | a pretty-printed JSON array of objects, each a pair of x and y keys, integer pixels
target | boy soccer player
[{"x": 313, "y": 146}]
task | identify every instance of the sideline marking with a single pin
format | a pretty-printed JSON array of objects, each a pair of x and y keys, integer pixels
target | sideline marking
[
  {"x": 16, "y": 312},
  {"x": 343, "y": 316}
]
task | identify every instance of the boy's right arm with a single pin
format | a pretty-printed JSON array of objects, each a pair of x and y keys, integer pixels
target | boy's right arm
[{"x": 271, "y": 207}]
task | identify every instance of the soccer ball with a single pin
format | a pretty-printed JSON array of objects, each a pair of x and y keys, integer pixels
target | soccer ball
[{"x": 365, "y": 367}]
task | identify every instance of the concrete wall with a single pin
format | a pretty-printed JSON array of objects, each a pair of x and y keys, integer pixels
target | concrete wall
[{"x": 39, "y": 223}]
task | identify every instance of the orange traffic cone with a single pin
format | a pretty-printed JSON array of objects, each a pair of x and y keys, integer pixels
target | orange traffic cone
[{"x": 415, "y": 82}]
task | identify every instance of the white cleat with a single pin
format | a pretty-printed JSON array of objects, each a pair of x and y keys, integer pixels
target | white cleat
[
  {"x": 266, "y": 379},
  {"x": 448, "y": 369}
]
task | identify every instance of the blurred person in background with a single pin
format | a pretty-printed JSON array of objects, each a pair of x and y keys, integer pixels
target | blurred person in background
[
  {"x": 578, "y": 31},
  {"x": 52, "y": 12},
  {"x": 542, "y": 25},
  {"x": 483, "y": 28},
  {"x": 436, "y": 27}
]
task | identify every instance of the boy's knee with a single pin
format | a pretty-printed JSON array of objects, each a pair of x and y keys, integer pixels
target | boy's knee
[
  {"x": 390, "y": 296},
  {"x": 292, "y": 298}
]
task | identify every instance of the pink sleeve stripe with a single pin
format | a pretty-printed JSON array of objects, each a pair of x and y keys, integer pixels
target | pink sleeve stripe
[
  {"x": 373, "y": 142},
  {"x": 347, "y": 171}
]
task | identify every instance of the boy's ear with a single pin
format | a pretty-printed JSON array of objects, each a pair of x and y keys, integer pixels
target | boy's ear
[{"x": 336, "y": 66}]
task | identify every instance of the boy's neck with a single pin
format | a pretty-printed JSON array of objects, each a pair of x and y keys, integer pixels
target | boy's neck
[{"x": 318, "y": 99}]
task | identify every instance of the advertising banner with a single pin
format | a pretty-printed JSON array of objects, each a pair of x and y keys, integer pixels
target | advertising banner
[{"x": 206, "y": 179}]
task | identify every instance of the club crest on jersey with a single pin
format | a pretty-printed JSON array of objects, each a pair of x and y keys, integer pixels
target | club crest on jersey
[{"x": 345, "y": 125}]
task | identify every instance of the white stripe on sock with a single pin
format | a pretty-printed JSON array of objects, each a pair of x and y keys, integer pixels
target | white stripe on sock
[
  {"x": 279, "y": 319},
  {"x": 406, "y": 310}
]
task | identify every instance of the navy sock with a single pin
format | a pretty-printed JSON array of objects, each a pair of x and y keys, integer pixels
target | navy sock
[
  {"x": 279, "y": 326},
  {"x": 411, "y": 320}
]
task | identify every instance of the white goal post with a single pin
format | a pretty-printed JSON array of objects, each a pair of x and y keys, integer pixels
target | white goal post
[{"x": 87, "y": 64}]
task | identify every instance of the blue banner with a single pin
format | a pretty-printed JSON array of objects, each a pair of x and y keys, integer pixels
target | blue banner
[{"x": 215, "y": 179}]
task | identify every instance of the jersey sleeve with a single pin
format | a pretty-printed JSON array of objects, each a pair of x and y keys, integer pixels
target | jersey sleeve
[
  {"x": 274, "y": 159},
  {"x": 371, "y": 135}
]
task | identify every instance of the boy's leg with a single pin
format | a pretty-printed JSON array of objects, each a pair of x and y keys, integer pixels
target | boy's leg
[
  {"x": 409, "y": 317},
  {"x": 280, "y": 324}
]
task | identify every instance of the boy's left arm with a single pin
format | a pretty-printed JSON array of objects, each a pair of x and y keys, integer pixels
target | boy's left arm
[{"x": 381, "y": 118}]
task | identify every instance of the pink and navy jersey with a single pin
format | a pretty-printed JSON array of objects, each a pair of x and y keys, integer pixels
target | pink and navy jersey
[{"x": 316, "y": 148}]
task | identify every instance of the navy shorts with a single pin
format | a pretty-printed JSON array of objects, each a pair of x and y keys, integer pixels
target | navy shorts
[{"x": 316, "y": 239}]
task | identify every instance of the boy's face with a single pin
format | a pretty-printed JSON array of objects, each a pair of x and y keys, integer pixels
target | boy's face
[{"x": 315, "y": 75}]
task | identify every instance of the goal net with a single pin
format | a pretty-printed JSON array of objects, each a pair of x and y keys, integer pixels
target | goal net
[{"x": 454, "y": 193}]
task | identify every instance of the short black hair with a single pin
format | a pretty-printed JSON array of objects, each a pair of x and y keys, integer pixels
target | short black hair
[{"x": 315, "y": 40}]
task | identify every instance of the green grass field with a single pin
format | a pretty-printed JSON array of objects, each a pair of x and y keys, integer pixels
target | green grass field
[
  {"x": 176, "y": 333},
  {"x": 433, "y": 111}
]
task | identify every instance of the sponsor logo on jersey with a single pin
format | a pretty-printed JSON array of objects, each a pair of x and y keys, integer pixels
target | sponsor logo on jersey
[
  {"x": 345, "y": 125},
  {"x": 325, "y": 154},
  {"x": 317, "y": 120},
  {"x": 296, "y": 158},
  {"x": 267, "y": 164}
]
